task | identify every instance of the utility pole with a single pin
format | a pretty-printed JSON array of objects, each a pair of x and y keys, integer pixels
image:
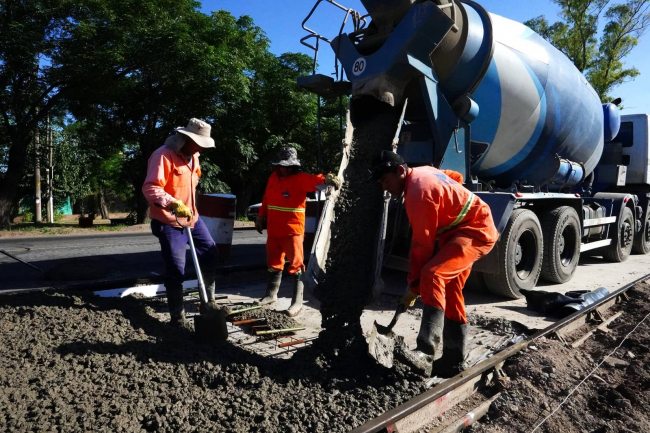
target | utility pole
[
  {"x": 50, "y": 184},
  {"x": 38, "y": 217}
]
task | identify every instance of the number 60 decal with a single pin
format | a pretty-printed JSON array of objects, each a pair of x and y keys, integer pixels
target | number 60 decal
[{"x": 359, "y": 66}]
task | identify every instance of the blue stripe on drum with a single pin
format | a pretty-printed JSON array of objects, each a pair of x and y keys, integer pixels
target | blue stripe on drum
[
  {"x": 512, "y": 113},
  {"x": 488, "y": 98}
]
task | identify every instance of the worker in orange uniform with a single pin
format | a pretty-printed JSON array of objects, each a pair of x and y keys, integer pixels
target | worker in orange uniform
[
  {"x": 283, "y": 214},
  {"x": 439, "y": 207}
]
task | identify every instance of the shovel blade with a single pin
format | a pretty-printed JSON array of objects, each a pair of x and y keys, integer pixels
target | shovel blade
[
  {"x": 210, "y": 327},
  {"x": 381, "y": 347}
]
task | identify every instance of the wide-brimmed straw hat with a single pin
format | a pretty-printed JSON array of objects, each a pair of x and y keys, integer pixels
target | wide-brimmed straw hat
[
  {"x": 199, "y": 131},
  {"x": 287, "y": 157}
]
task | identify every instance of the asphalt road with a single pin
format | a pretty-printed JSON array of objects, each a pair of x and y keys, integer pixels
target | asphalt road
[{"x": 102, "y": 257}]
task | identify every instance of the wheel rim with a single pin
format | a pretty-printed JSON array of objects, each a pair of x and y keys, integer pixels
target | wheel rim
[
  {"x": 526, "y": 254},
  {"x": 567, "y": 245},
  {"x": 627, "y": 234}
]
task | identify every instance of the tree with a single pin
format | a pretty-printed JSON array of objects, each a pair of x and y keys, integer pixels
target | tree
[
  {"x": 600, "y": 59},
  {"x": 49, "y": 50},
  {"x": 183, "y": 64},
  {"x": 277, "y": 113}
]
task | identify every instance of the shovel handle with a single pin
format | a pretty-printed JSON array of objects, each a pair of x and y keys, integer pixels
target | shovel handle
[
  {"x": 199, "y": 276},
  {"x": 400, "y": 309}
]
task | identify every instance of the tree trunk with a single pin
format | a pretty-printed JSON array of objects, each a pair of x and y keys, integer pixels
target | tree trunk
[
  {"x": 103, "y": 208},
  {"x": 8, "y": 205},
  {"x": 141, "y": 203},
  {"x": 142, "y": 209},
  {"x": 9, "y": 183},
  {"x": 244, "y": 193}
]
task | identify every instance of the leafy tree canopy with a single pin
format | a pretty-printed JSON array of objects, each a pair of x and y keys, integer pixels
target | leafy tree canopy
[{"x": 598, "y": 54}]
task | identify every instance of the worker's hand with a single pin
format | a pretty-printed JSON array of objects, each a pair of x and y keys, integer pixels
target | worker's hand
[
  {"x": 333, "y": 180},
  {"x": 408, "y": 299},
  {"x": 181, "y": 210},
  {"x": 259, "y": 224}
]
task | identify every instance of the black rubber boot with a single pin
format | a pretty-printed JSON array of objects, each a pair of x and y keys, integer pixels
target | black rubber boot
[
  {"x": 429, "y": 341},
  {"x": 298, "y": 291},
  {"x": 209, "y": 279},
  {"x": 429, "y": 338},
  {"x": 272, "y": 288},
  {"x": 454, "y": 342},
  {"x": 175, "y": 304}
]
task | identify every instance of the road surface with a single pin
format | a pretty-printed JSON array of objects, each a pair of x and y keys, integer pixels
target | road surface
[{"x": 102, "y": 256}]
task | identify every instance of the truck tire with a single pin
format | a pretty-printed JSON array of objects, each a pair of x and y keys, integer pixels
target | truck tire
[
  {"x": 641, "y": 243},
  {"x": 622, "y": 239},
  {"x": 520, "y": 253},
  {"x": 561, "y": 230}
]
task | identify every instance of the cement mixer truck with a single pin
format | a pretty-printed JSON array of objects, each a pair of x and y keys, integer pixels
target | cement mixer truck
[{"x": 485, "y": 96}]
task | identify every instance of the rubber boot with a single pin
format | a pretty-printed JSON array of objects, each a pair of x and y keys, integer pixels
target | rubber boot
[
  {"x": 454, "y": 343},
  {"x": 428, "y": 341},
  {"x": 298, "y": 290},
  {"x": 176, "y": 307},
  {"x": 272, "y": 288},
  {"x": 209, "y": 279}
]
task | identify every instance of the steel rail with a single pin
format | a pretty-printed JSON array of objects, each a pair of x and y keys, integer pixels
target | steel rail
[{"x": 390, "y": 417}]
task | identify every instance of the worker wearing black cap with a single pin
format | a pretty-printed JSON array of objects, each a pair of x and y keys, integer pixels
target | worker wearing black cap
[{"x": 439, "y": 207}]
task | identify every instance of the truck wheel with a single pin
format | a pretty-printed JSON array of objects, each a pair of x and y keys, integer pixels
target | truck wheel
[
  {"x": 561, "y": 229},
  {"x": 622, "y": 239},
  {"x": 641, "y": 243},
  {"x": 520, "y": 253}
]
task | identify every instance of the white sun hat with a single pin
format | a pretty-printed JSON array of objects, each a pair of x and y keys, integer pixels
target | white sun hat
[{"x": 199, "y": 131}]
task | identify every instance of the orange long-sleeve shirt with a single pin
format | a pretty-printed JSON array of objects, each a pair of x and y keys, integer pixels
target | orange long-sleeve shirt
[
  {"x": 170, "y": 178},
  {"x": 284, "y": 203},
  {"x": 437, "y": 205}
]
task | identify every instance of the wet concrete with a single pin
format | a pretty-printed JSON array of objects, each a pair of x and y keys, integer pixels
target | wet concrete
[
  {"x": 75, "y": 362},
  {"x": 347, "y": 287}
]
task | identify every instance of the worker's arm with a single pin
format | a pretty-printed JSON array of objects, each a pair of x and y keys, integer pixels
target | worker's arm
[
  {"x": 264, "y": 209},
  {"x": 423, "y": 217},
  {"x": 309, "y": 182},
  {"x": 157, "y": 174},
  {"x": 454, "y": 175}
]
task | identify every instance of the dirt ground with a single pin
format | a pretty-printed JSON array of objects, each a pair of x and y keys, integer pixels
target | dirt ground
[
  {"x": 72, "y": 362},
  {"x": 613, "y": 398}
]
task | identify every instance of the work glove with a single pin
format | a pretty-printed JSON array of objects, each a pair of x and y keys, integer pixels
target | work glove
[
  {"x": 333, "y": 180},
  {"x": 259, "y": 224},
  {"x": 181, "y": 211},
  {"x": 408, "y": 300}
]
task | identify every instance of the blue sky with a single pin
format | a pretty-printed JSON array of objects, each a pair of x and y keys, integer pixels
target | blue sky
[{"x": 282, "y": 22}]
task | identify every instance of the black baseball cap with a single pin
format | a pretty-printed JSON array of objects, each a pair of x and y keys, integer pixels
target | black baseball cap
[{"x": 383, "y": 163}]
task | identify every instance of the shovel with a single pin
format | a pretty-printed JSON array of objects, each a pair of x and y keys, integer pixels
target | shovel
[
  {"x": 381, "y": 344},
  {"x": 210, "y": 325}
]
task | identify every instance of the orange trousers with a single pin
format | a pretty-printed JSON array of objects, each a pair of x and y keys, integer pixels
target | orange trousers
[
  {"x": 443, "y": 278},
  {"x": 279, "y": 247}
]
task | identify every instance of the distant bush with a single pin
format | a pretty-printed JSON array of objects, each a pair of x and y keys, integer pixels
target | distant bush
[{"x": 28, "y": 217}]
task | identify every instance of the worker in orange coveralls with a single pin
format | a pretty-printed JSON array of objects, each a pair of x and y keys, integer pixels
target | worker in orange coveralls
[
  {"x": 283, "y": 214},
  {"x": 439, "y": 207}
]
